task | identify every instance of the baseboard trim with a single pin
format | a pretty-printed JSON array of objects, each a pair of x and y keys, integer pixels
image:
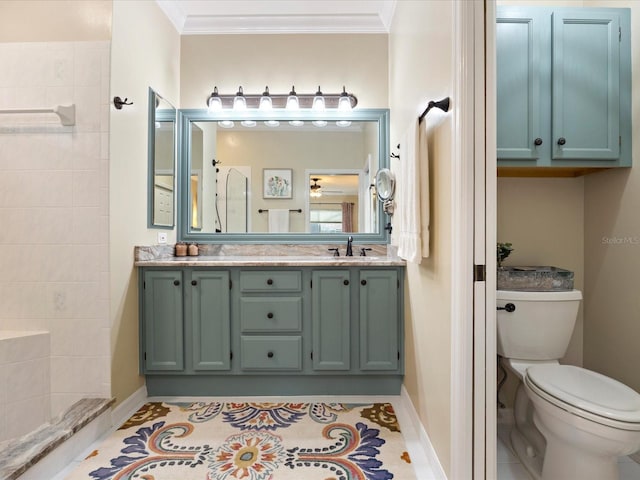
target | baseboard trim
[
  {"x": 423, "y": 438},
  {"x": 129, "y": 406}
]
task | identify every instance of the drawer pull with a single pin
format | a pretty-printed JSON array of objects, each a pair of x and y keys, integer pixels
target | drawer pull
[
  {"x": 269, "y": 281},
  {"x": 194, "y": 282},
  {"x": 346, "y": 282},
  {"x": 269, "y": 315},
  {"x": 363, "y": 282},
  {"x": 562, "y": 141},
  {"x": 537, "y": 142},
  {"x": 176, "y": 282},
  {"x": 270, "y": 354}
]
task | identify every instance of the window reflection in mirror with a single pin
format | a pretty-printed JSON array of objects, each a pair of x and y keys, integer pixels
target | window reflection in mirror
[
  {"x": 161, "y": 184},
  {"x": 225, "y": 166}
]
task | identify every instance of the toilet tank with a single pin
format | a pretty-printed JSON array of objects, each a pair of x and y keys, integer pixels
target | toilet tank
[{"x": 541, "y": 325}]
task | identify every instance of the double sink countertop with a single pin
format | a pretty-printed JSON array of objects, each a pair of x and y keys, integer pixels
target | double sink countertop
[{"x": 265, "y": 256}]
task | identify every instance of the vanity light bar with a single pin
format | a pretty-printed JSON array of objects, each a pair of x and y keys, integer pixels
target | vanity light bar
[{"x": 340, "y": 101}]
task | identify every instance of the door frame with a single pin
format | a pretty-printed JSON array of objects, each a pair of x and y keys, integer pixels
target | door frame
[{"x": 474, "y": 179}]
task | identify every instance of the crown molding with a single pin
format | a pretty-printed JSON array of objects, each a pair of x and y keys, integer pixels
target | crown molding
[{"x": 278, "y": 17}]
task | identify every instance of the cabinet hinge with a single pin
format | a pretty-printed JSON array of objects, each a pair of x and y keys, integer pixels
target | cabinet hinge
[
  {"x": 398, "y": 283},
  {"x": 312, "y": 355},
  {"x": 230, "y": 284},
  {"x": 311, "y": 283},
  {"x": 398, "y": 354},
  {"x": 619, "y": 34},
  {"x": 145, "y": 355},
  {"x": 620, "y": 140},
  {"x": 230, "y": 355},
  {"x": 479, "y": 273},
  {"x": 144, "y": 285}
]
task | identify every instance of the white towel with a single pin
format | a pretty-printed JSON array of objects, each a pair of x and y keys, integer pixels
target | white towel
[
  {"x": 413, "y": 195},
  {"x": 278, "y": 220}
]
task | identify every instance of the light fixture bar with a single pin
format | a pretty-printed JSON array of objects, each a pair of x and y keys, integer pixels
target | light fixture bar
[{"x": 279, "y": 100}]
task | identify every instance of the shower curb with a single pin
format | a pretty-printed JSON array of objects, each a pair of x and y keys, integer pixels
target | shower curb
[{"x": 18, "y": 455}]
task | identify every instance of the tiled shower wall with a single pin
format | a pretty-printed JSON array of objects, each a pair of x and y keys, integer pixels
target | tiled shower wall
[{"x": 54, "y": 207}]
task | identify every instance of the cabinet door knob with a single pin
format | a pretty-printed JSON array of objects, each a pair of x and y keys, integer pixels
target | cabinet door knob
[
  {"x": 537, "y": 142},
  {"x": 269, "y": 315},
  {"x": 194, "y": 282},
  {"x": 176, "y": 282},
  {"x": 562, "y": 141},
  {"x": 363, "y": 282},
  {"x": 270, "y": 354},
  {"x": 346, "y": 282},
  {"x": 269, "y": 281}
]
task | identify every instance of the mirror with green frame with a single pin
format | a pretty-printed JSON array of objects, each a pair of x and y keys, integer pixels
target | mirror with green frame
[
  {"x": 281, "y": 177},
  {"x": 162, "y": 159}
]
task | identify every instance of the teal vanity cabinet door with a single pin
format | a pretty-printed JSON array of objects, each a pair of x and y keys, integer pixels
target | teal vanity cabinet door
[
  {"x": 330, "y": 319},
  {"x": 210, "y": 320},
  {"x": 163, "y": 317},
  {"x": 523, "y": 43},
  {"x": 379, "y": 347},
  {"x": 586, "y": 85}
]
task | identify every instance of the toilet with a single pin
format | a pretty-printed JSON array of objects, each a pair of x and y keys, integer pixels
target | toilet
[{"x": 570, "y": 423}]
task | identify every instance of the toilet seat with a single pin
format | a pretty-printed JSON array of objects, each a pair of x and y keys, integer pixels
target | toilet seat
[{"x": 586, "y": 394}]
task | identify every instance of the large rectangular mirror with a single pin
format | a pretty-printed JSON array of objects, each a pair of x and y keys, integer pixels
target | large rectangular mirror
[
  {"x": 281, "y": 177},
  {"x": 162, "y": 159}
]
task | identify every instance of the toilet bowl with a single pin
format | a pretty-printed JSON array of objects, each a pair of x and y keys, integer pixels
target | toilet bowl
[
  {"x": 570, "y": 423},
  {"x": 588, "y": 421}
]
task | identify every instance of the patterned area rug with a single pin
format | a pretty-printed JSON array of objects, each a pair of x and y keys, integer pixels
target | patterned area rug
[{"x": 253, "y": 441}]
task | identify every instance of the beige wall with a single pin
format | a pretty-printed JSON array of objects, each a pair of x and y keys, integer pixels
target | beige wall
[
  {"x": 420, "y": 69},
  {"x": 612, "y": 250},
  {"x": 55, "y": 20},
  {"x": 358, "y": 62},
  {"x": 145, "y": 52}
]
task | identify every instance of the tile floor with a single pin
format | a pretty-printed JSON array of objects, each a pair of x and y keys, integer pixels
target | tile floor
[
  {"x": 418, "y": 455},
  {"x": 510, "y": 468}
]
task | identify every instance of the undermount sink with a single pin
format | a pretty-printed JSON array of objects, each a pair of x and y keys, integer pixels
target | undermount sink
[{"x": 535, "y": 279}]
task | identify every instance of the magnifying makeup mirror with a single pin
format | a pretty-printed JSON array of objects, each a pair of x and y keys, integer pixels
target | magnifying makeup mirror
[{"x": 385, "y": 189}]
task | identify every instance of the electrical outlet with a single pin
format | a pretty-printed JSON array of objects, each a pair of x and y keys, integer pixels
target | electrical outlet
[{"x": 162, "y": 237}]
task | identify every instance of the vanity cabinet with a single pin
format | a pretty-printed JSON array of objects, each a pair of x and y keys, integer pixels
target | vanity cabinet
[
  {"x": 163, "y": 321},
  {"x": 563, "y": 88},
  {"x": 253, "y": 331}
]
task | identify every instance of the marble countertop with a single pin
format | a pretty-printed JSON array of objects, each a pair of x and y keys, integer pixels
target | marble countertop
[{"x": 271, "y": 261}]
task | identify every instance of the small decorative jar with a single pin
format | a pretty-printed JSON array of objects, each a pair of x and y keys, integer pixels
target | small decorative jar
[
  {"x": 193, "y": 250},
  {"x": 181, "y": 249}
]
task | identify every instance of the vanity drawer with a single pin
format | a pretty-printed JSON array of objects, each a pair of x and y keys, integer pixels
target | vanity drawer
[
  {"x": 271, "y": 353},
  {"x": 272, "y": 314},
  {"x": 271, "y": 281}
]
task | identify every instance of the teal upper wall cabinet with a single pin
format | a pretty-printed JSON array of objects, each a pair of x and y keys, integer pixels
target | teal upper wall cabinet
[{"x": 564, "y": 87}]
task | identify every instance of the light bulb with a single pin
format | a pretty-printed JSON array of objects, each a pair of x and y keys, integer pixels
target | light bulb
[
  {"x": 292, "y": 100},
  {"x": 214, "y": 103},
  {"x": 226, "y": 123},
  {"x": 344, "y": 102},
  {"x": 318, "y": 101},
  {"x": 320, "y": 123},
  {"x": 343, "y": 123},
  {"x": 272, "y": 123},
  {"x": 239, "y": 102},
  {"x": 248, "y": 123},
  {"x": 296, "y": 123},
  {"x": 265, "y": 101}
]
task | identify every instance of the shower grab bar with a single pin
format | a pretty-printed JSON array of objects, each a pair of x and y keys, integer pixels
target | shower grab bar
[
  {"x": 297, "y": 210},
  {"x": 66, "y": 113}
]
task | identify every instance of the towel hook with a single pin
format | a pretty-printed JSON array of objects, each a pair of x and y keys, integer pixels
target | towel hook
[{"x": 119, "y": 103}]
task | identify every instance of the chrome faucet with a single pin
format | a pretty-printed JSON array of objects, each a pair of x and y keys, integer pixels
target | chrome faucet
[{"x": 349, "y": 249}]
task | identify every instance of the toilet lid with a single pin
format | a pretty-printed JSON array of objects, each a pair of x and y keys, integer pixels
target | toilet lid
[{"x": 588, "y": 391}]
